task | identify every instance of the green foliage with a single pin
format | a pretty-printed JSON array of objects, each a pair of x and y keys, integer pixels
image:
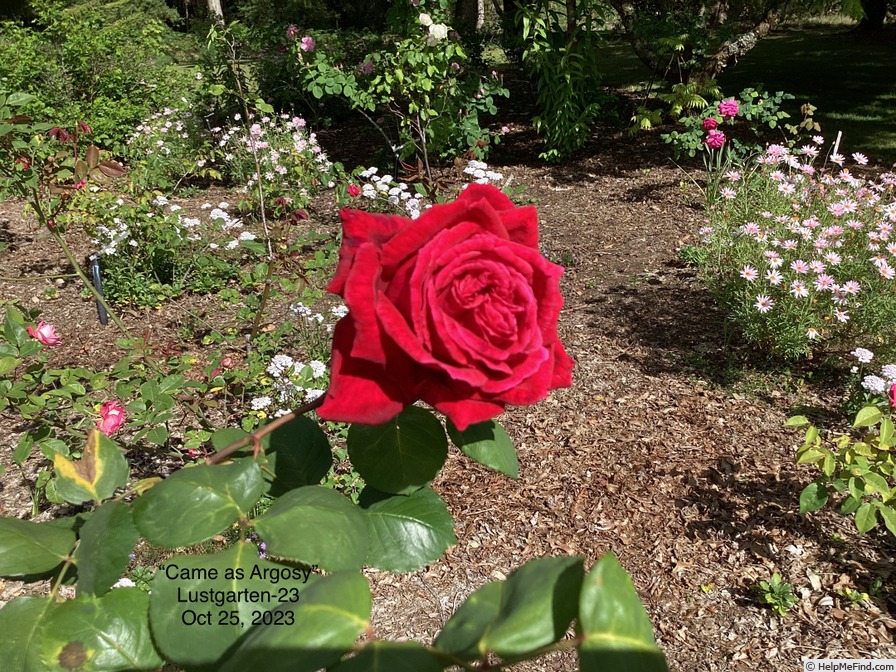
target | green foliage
[
  {"x": 777, "y": 595},
  {"x": 104, "y": 63},
  {"x": 421, "y": 80},
  {"x": 565, "y": 71},
  {"x": 861, "y": 469},
  {"x": 760, "y": 109}
]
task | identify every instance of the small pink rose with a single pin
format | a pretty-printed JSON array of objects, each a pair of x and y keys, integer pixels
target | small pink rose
[
  {"x": 715, "y": 139},
  {"x": 307, "y": 44},
  {"x": 45, "y": 333},
  {"x": 729, "y": 108},
  {"x": 893, "y": 395},
  {"x": 710, "y": 124},
  {"x": 111, "y": 417}
]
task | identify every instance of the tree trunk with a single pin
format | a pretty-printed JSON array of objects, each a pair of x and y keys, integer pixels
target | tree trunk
[
  {"x": 215, "y": 12},
  {"x": 730, "y": 51},
  {"x": 469, "y": 16}
]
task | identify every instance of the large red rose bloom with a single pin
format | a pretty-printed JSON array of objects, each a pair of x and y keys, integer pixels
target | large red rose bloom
[{"x": 456, "y": 308}]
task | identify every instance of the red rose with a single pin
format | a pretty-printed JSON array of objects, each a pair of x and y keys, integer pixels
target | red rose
[
  {"x": 456, "y": 308},
  {"x": 354, "y": 190}
]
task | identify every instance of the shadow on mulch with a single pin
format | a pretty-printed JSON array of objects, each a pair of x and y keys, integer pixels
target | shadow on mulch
[
  {"x": 771, "y": 503},
  {"x": 674, "y": 317}
]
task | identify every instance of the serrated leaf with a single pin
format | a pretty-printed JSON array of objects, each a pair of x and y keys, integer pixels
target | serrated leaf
[
  {"x": 298, "y": 454},
  {"x": 195, "y": 504},
  {"x": 617, "y": 632},
  {"x": 325, "y": 623},
  {"x": 384, "y": 656},
  {"x": 537, "y": 605},
  {"x": 100, "y": 634},
  {"x": 866, "y": 517},
  {"x": 488, "y": 444},
  {"x": 467, "y": 626},
  {"x": 867, "y": 416},
  {"x": 294, "y": 528},
  {"x": 32, "y": 548},
  {"x": 244, "y": 582},
  {"x": 106, "y": 541},
  {"x": 95, "y": 477},
  {"x": 878, "y": 484},
  {"x": 7, "y": 364},
  {"x": 399, "y": 456},
  {"x": 13, "y": 329},
  {"x": 407, "y": 532},
  {"x": 21, "y": 622},
  {"x": 813, "y": 497}
]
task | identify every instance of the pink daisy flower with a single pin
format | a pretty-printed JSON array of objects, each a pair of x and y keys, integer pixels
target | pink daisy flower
[
  {"x": 764, "y": 303},
  {"x": 799, "y": 266}
]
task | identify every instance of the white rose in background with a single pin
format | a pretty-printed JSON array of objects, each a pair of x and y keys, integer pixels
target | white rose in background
[
  {"x": 437, "y": 33},
  {"x": 425, "y": 20}
]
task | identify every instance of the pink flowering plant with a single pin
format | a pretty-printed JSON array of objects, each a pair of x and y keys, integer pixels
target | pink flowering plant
[
  {"x": 800, "y": 249},
  {"x": 734, "y": 126}
]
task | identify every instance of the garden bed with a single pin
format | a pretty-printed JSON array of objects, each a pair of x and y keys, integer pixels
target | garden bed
[{"x": 669, "y": 449}]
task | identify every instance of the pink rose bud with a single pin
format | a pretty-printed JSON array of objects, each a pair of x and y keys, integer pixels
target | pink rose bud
[
  {"x": 893, "y": 395},
  {"x": 728, "y": 108},
  {"x": 45, "y": 333},
  {"x": 715, "y": 139},
  {"x": 84, "y": 128},
  {"x": 354, "y": 190},
  {"x": 710, "y": 124},
  {"x": 111, "y": 417},
  {"x": 228, "y": 362}
]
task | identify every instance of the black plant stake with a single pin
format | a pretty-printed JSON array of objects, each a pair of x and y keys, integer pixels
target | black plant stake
[{"x": 94, "y": 262}]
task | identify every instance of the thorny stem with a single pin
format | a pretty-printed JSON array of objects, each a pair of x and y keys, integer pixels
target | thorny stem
[{"x": 254, "y": 439}]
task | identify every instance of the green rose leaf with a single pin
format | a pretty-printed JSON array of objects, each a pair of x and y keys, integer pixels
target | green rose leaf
[
  {"x": 385, "y": 656},
  {"x": 100, "y": 634},
  {"x": 95, "y": 477},
  {"x": 197, "y": 503},
  {"x": 188, "y": 587},
  {"x": 867, "y": 417},
  {"x": 311, "y": 634},
  {"x": 797, "y": 421},
  {"x": 7, "y": 364},
  {"x": 537, "y": 605},
  {"x": 107, "y": 539},
  {"x": 401, "y": 455},
  {"x": 21, "y": 622},
  {"x": 13, "y": 329},
  {"x": 617, "y": 632},
  {"x": 299, "y": 454},
  {"x": 32, "y": 548},
  {"x": 488, "y": 444},
  {"x": 467, "y": 626},
  {"x": 813, "y": 497},
  {"x": 406, "y": 532},
  {"x": 314, "y": 525},
  {"x": 866, "y": 517},
  {"x": 888, "y": 515}
]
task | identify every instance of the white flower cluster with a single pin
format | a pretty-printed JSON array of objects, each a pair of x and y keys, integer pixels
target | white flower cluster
[
  {"x": 293, "y": 383},
  {"x": 385, "y": 187},
  {"x": 437, "y": 31},
  {"x": 481, "y": 173}
]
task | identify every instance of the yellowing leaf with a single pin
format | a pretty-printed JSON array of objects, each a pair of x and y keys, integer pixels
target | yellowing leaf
[{"x": 101, "y": 469}]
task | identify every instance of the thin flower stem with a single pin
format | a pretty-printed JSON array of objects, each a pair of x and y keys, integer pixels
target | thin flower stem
[
  {"x": 255, "y": 437},
  {"x": 39, "y": 277}
]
